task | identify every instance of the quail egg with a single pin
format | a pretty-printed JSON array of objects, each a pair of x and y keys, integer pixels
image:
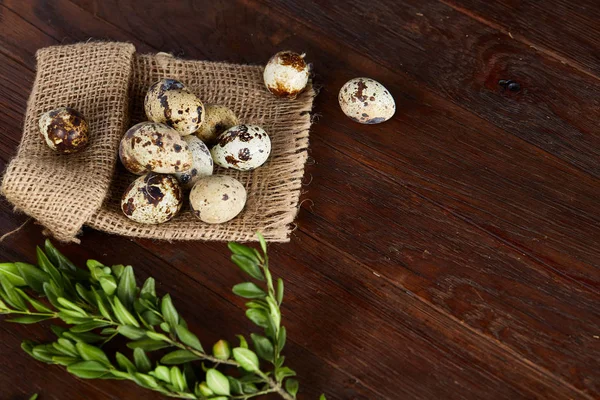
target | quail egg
[
  {"x": 242, "y": 147},
  {"x": 202, "y": 163},
  {"x": 149, "y": 146},
  {"x": 366, "y": 101},
  {"x": 217, "y": 199},
  {"x": 218, "y": 118},
  {"x": 286, "y": 74},
  {"x": 169, "y": 102},
  {"x": 152, "y": 199},
  {"x": 64, "y": 130}
]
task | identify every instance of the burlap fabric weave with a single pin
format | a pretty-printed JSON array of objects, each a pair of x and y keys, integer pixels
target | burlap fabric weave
[{"x": 107, "y": 83}]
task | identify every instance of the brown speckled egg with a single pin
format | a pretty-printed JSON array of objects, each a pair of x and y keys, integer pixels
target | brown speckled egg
[
  {"x": 218, "y": 119},
  {"x": 152, "y": 199},
  {"x": 366, "y": 101},
  {"x": 202, "y": 163},
  {"x": 286, "y": 74},
  {"x": 243, "y": 147},
  {"x": 149, "y": 146},
  {"x": 169, "y": 102},
  {"x": 64, "y": 130},
  {"x": 217, "y": 199}
]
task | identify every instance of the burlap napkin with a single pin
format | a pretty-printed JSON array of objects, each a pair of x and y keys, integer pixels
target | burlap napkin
[{"x": 107, "y": 83}]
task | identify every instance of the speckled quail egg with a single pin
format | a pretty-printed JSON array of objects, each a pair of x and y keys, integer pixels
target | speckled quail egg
[
  {"x": 170, "y": 102},
  {"x": 64, "y": 130},
  {"x": 149, "y": 146},
  {"x": 218, "y": 119},
  {"x": 286, "y": 74},
  {"x": 217, "y": 199},
  {"x": 366, "y": 101},
  {"x": 242, "y": 147},
  {"x": 202, "y": 163},
  {"x": 152, "y": 199}
]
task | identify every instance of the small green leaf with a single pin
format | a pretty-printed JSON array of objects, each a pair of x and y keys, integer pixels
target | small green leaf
[
  {"x": 92, "y": 353},
  {"x": 64, "y": 360},
  {"x": 148, "y": 344},
  {"x": 178, "y": 379},
  {"x": 279, "y": 291},
  {"x": 178, "y": 357},
  {"x": 102, "y": 307},
  {"x": 123, "y": 315},
  {"x": 44, "y": 353},
  {"x": 47, "y": 266},
  {"x": 202, "y": 389},
  {"x": 33, "y": 276},
  {"x": 263, "y": 347},
  {"x": 57, "y": 258},
  {"x": 246, "y": 358},
  {"x": 169, "y": 312},
  {"x": 88, "y": 369},
  {"x": 222, "y": 350},
  {"x": 240, "y": 249},
  {"x": 249, "y": 290},
  {"x": 117, "y": 271},
  {"x": 243, "y": 342},
  {"x": 249, "y": 266},
  {"x": 283, "y": 373},
  {"x": 158, "y": 336},
  {"x": 263, "y": 243},
  {"x": 217, "y": 382},
  {"x": 274, "y": 311},
  {"x": 124, "y": 363},
  {"x": 86, "y": 337},
  {"x": 34, "y": 397},
  {"x": 146, "y": 380},
  {"x": 151, "y": 318},
  {"x": 71, "y": 306},
  {"x": 322, "y": 397},
  {"x": 235, "y": 385},
  {"x": 29, "y": 319},
  {"x": 85, "y": 294},
  {"x": 249, "y": 388},
  {"x": 109, "y": 285},
  {"x": 142, "y": 362},
  {"x": 11, "y": 296},
  {"x": 58, "y": 330},
  {"x": 291, "y": 385},
  {"x": 165, "y": 326},
  {"x": 259, "y": 317},
  {"x": 148, "y": 291},
  {"x": 89, "y": 326},
  {"x": 188, "y": 337},
  {"x": 36, "y": 304},
  {"x": 281, "y": 338},
  {"x": 51, "y": 294},
  {"x": 131, "y": 332},
  {"x": 66, "y": 346},
  {"x": 119, "y": 374},
  {"x": 11, "y": 272},
  {"x": 161, "y": 372},
  {"x": 126, "y": 290}
]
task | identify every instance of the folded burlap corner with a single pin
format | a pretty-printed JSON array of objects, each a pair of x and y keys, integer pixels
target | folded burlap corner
[{"x": 107, "y": 83}]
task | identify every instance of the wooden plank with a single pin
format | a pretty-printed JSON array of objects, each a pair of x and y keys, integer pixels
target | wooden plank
[{"x": 563, "y": 29}]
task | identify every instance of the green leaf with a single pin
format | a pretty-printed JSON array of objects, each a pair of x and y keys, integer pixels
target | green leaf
[
  {"x": 44, "y": 353},
  {"x": 243, "y": 342},
  {"x": 147, "y": 380},
  {"x": 259, "y": 317},
  {"x": 66, "y": 346},
  {"x": 29, "y": 319},
  {"x": 246, "y": 358},
  {"x": 89, "y": 326},
  {"x": 283, "y": 373},
  {"x": 65, "y": 360},
  {"x": 102, "y": 307},
  {"x": 36, "y": 304},
  {"x": 71, "y": 306},
  {"x": 58, "y": 330},
  {"x": 27, "y": 346},
  {"x": 169, "y": 312},
  {"x": 34, "y": 397},
  {"x": 263, "y": 243},
  {"x": 249, "y": 266},
  {"x": 92, "y": 353},
  {"x": 148, "y": 345},
  {"x": 274, "y": 311},
  {"x": 235, "y": 385},
  {"x": 158, "y": 336},
  {"x": 151, "y": 318},
  {"x": 188, "y": 338},
  {"x": 217, "y": 382},
  {"x": 11, "y": 296},
  {"x": 239, "y": 249},
  {"x": 291, "y": 385},
  {"x": 57, "y": 258},
  {"x": 178, "y": 379},
  {"x": 126, "y": 290},
  {"x": 148, "y": 291},
  {"x": 85, "y": 294},
  {"x": 249, "y": 388},
  {"x": 279, "y": 291},
  {"x": 202, "y": 390},
  {"x": 249, "y": 290},
  {"x": 51, "y": 294},
  {"x": 165, "y": 326},
  {"x": 33, "y": 276},
  {"x": 131, "y": 332},
  {"x": 258, "y": 304},
  {"x": 141, "y": 360},
  {"x": 47, "y": 266},
  {"x": 109, "y": 285},
  {"x": 86, "y": 337},
  {"x": 117, "y": 271},
  {"x": 322, "y": 397},
  {"x": 263, "y": 347},
  {"x": 124, "y": 363},
  {"x": 281, "y": 338},
  {"x": 88, "y": 369},
  {"x": 108, "y": 331},
  {"x": 124, "y": 316},
  {"x": 222, "y": 350},
  {"x": 161, "y": 372},
  {"x": 11, "y": 272},
  {"x": 178, "y": 357}
]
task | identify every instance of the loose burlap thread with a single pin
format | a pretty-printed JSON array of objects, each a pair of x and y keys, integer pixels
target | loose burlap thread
[{"x": 107, "y": 83}]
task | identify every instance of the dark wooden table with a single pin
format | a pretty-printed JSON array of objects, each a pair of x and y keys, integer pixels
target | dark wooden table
[{"x": 451, "y": 252}]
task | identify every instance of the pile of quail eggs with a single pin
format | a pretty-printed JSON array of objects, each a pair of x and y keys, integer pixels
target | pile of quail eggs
[{"x": 175, "y": 150}]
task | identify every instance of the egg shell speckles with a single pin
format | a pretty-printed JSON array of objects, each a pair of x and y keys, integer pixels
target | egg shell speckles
[
  {"x": 217, "y": 120},
  {"x": 202, "y": 163},
  {"x": 149, "y": 146},
  {"x": 286, "y": 74},
  {"x": 64, "y": 130},
  {"x": 366, "y": 101},
  {"x": 242, "y": 147},
  {"x": 169, "y": 102},
  {"x": 152, "y": 199},
  {"x": 217, "y": 199}
]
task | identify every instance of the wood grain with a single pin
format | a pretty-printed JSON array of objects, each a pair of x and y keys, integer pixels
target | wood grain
[{"x": 448, "y": 253}]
